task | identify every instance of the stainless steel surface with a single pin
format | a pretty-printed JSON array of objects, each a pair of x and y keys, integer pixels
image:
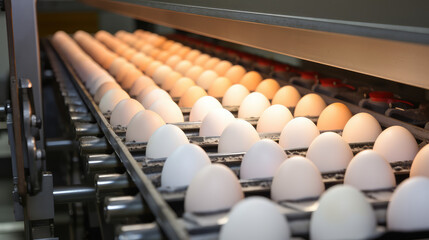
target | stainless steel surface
[
  {"x": 102, "y": 163},
  {"x": 112, "y": 182},
  {"x": 69, "y": 194},
  {"x": 123, "y": 207},
  {"x": 392, "y": 52},
  {"x": 146, "y": 231},
  {"x": 91, "y": 144},
  {"x": 86, "y": 129}
]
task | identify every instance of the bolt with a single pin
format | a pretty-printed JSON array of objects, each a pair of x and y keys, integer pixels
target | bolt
[{"x": 35, "y": 121}]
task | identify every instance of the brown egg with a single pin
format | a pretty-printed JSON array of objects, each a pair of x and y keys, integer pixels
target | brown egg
[
  {"x": 180, "y": 87},
  {"x": 167, "y": 44},
  {"x": 116, "y": 66},
  {"x": 128, "y": 53},
  {"x": 163, "y": 56},
  {"x": 154, "y": 53},
  {"x": 334, "y": 117},
  {"x": 183, "y": 51},
  {"x": 159, "y": 41},
  {"x": 287, "y": 96},
  {"x": 141, "y": 96},
  {"x": 144, "y": 64},
  {"x": 123, "y": 71},
  {"x": 192, "y": 55},
  {"x": 206, "y": 79},
  {"x": 161, "y": 74},
  {"x": 219, "y": 87},
  {"x": 147, "y": 49},
  {"x": 150, "y": 70},
  {"x": 139, "y": 44},
  {"x": 175, "y": 47},
  {"x": 310, "y": 105},
  {"x": 183, "y": 66},
  {"x": 103, "y": 89},
  {"x": 235, "y": 73},
  {"x": 222, "y": 67},
  {"x": 170, "y": 80},
  {"x": 191, "y": 96},
  {"x": 130, "y": 78},
  {"x": 211, "y": 63},
  {"x": 202, "y": 59},
  {"x": 173, "y": 60},
  {"x": 108, "y": 59},
  {"x": 268, "y": 87},
  {"x": 140, "y": 84},
  {"x": 194, "y": 72},
  {"x": 137, "y": 58},
  {"x": 120, "y": 48},
  {"x": 251, "y": 80}
]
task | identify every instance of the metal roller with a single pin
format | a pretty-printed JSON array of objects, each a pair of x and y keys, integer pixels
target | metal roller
[
  {"x": 81, "y": 117},
  {"x": 138, "y": 232},
  {"x": 86, "y": 129},
  {"x": 91, "y": 144},
  {"x": 124, "y": 207},
  {"x": 102, "y": 163},
  {"x": 107, "y": 183},
  {"x": 70, "y": 194}
]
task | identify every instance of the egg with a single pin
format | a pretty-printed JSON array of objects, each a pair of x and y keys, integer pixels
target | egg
[
  {"x": 168, "y": 110},
  {"x": 211, "y": 63},
  {"x": 155, "y": 53},
  {"x": 238, "y": 136},
  {"x": 140, "y": 84},
  {"x": 298, "y": 133},
  {"x": 408, "y": 209},
  {"x": 334, "y": 117},
  {"x": 147, "y": 49},
  {"x": 332, "y": 219},
  {"x": 151, "y": 68},
  {"x": 222, "y": 67},
  {"x": 145, "y": 63},
  {"x": 103, "y": 89},
  {"x": 202, "y": 60},
  {"x": 131, "y": 78},
  {"x": 420, "y": 166},
  {"x": 170, "y": 80},
  {"x": 253, "y": 105},
  {"x": 296, "y": 178},
  {"x": 273, "y": 119},
  {"x": 180, "y": 87},
  {"x": 173, "y": 60},
  {"x": 214, "y": 188},
  {"x": 396, "y": 144},
  {"x": 138, "y": 57},
  {"x": 235, "y": 73},
  {"x": 192, "y": 55},
  {"x": 163, "y": 56},
  {"x": 206, "y": 79},
  {"x": 202, "y": 106},
  {"x": 369, "y": 171},
  {"x": 194, "y": 72},
  {"x": 123, "y": 71},
  {"x": 255, "y": 218},
  {"x": 182, "y": 165},
  {"x": 155, "y": 95},
  {"x": 164, "y": 141},
  {"x": 268, "y": 87},
  {"x": 161, "y": 73},
  {"x": 111, "y": 98},
  {"x": 183, "y": 51},
  {"x": 362, "y": 127},
  {"x": 142, "y": 95},
  {"x": 183, "y": 66},
  {"x": 219, "y": 87},
  {"x": 262, "y": 160},
  {"x": 124, "y": 111},
  {"x": 311, "y": 105},
  {"x": 191, "y": 95},
  {"x": 96, "y": 83},
  {"x": 251, "y": 80},
  {"x": 142, "y": 126},
  {"x": 235, "y": 95},
  {"x": 329, "y": 152},
  {"x": 116, "y": 65},
  {"x": 215, "y": 122}
]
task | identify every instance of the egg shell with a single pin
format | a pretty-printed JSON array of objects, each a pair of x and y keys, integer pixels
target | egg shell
[
  {"x": 202, "y": 59},
  {"x": 182, "y": 165},
  {"x": 219, "y": 87},
  {"x": 150, "y": 70},
  {"x": 396, "y": 144},
  {"x": 262, "y": 160},
  {"x": 143, "y": 125},
  {"x": 362, "y": 127},
  {"x": 105, "y": 87},
  {"x": 124, "y": 111},
  {"x": 191, "y": 96},
  {"x": 251, "y": 80},
  {"x": 131, "y": 78},
  {"x": 235, "y": 73},
  {"x": 137, "y": 58},
  {"x": 116, "y": 65},
  {"x": 215, "y": 122},
  {"x": 111, "y": 98},
  {"x": 255, "y": 218},
  {"x": 168, "y": 110},
  {"x": 173, "y": 60},
  {"x": 183, "y": 51},
  {"x": 164, "y": 141},
  {"x": 183, "y": 66},
  {"x": 235, "y": 95},
  {"x": 155, "y": 53},
  {"x": 163, "y": 56},
  {"x": 142, "y": 95},
  {"x": 274, "y": 119},
  {"x": 222, "y": 67},
  {"x": 329, "y": 152},
  {"x": 145, "y": 63},
  {"x": 238, "y": 136},
  {"x": 155, "y": 95},
  {"x": 128, "y": 53},
  {"x": 96, "y": 84},
  {"x": 296, "y": 178},
  {"x": 161, "y": 73},
  {"x": 140, "y": 84},
  {"x": 214, "y": 188},
  {"x": 192, "y": 55},
  {"x": 211, "y": 63},
  {"x": 420, "y": 166},
  {"x": 408, "y": 209},
  {"x": 170, "y": 80},
  {"x": 206, "y": 79},
  {"x": 298, "y": 133},
  {"x": 368, "y": 171},
  {"x": 123, "y": 71},
  {"x": 268, "y": 87},
  {"x": 202, "y": 107},
  {"x": 334, "y": 117},
  {"x": 332, "y": 218},
  {"x": 180, "y": 87},
  {"x": 194, "y": 72},
  {"x": 311, "y": 105},
  {"x": 253, "y": 105}
]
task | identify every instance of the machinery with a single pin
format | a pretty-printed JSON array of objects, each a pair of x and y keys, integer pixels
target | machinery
[{"x": 108, "y": 186}]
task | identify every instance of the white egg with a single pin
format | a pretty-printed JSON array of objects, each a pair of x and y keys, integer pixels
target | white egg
[
  {"x": 214, "y": 188},
  {"x": 396, "y": 144},
  {"x": 343, "y": 213},
  {"x": 255, "y": 218},
  {"x": 215, "y": 122},
  {"x": 368, "y": 170},
  {"x": 420, "y": 166},
  {"x": 161, "y": 73},
  {"x": 274, "y": 119},
  {"x": 238, "y": 136},
  {"x": 168, "y": 110},
  {"x": 202, "y": 107},
  {"x": 206, "y": 79},
  {"x": 262, "y": 160},
  {"x": 298, "y": 133},
  {"x": 362, "y": 127},
  {"x": 111, "y": 98},
  {"x": 408, "y": 209},
  {"x": 253, "y": 105},
  {"x": 235, "y": 95},
  {"x": 182, "y": 165},
  {"x": 311, "y": 105},
  {"x": 142, "y": 126},
  {"x": 297, "y": 178},
  {"x": 124, "y": 111},
  {"x": 164, "y": 141},
  {"x": 155, "y": 95},
  {"x": 329, "y": 152}
]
